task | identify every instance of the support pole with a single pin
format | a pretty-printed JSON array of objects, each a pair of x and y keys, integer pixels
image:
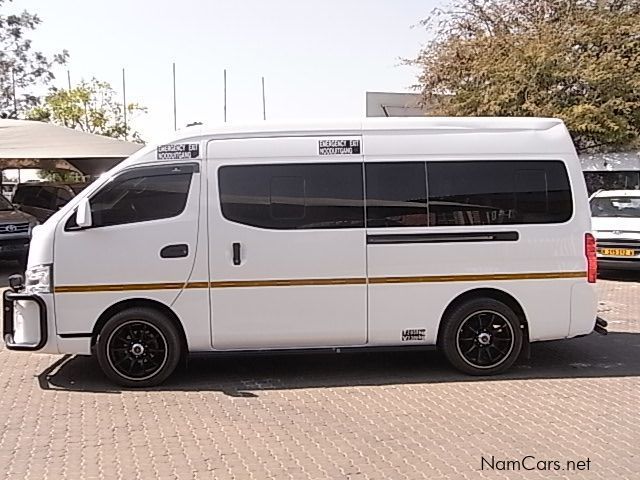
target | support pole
[
  {"x": 264, "y": 107},
  {"x": 175, "y": 110},
  {"x": 225, "y": 95},
  {"x": 124, "y": 103}
]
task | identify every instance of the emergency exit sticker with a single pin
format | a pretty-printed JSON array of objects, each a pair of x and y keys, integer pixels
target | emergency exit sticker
[
  {"x": 178, "y": 151},
  {"x": 339, "y": 147}
]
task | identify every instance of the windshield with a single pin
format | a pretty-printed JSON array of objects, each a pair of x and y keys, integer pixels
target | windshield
[
  {"x": 5, "y": 204},
  {"x": 78, "y": 187},
  {"x": 615, "y": 207}
]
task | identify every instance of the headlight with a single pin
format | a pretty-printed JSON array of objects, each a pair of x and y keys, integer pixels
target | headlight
[{"x": 38, "y": 279}]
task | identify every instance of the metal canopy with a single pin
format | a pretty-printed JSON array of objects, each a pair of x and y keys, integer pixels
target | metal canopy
[{"x": 29, "y": 144}]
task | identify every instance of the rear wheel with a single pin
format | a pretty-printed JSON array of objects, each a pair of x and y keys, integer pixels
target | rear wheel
[
  {"x": 138, "y": 347},
  {"x": 481, "y": 337}
]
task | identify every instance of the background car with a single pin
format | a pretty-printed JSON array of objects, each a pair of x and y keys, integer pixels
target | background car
[
  {"x": 43, "y": 199},
  {"x": 615, "y": 219},
  {"x": 15, "y": 232},
  {"x": 8, "y": 189}
]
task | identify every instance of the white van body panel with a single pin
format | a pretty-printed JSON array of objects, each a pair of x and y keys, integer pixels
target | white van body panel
[
  {"x": 367, "y": 312},
  {"x": 312, "y": 314},
  {"x": 120, "y": 255}
]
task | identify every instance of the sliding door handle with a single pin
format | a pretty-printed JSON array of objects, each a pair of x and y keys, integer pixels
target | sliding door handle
[{"x": 236, "y": 253}]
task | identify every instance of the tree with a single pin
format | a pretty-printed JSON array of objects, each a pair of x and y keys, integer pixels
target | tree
[
  {"x": 60, "y": 176},
  {"x": 21, "y": 68},
  {"x": 91, "y": 107},
  {"x": 574, "y": 59}
]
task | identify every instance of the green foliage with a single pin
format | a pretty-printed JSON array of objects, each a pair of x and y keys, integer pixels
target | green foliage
[
  {"x": 18, "y": 61},
  {"x": 91, "y": 107},
  {"x": 60, "y": 176},
  {"x": 578, "y": 60}
]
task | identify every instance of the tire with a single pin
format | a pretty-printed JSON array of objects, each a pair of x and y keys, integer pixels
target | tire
[
  {"x": 138, "y": 347},
  {"x": 481, "y": 337}
]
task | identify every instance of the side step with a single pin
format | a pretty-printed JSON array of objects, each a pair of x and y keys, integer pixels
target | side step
[{"x": 601, "y": 326}]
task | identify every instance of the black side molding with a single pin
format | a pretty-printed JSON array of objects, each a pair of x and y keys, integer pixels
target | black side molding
[
  {"x": 463, "y": 237},
  {"x": 75, "y": 335}
]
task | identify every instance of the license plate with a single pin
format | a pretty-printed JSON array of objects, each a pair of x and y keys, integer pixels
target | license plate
[{"x": 617, "y": 252}]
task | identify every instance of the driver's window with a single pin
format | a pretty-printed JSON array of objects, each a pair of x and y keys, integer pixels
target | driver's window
[{"x": 132, "y": 199}]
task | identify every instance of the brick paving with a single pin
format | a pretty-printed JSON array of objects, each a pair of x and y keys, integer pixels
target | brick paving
[{"x": 400, "y": 415}]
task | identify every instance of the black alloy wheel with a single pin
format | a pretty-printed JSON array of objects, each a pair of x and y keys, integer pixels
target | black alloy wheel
[
  {"x": 481, "y": 337},
  {"x": 138, "y": 347}
]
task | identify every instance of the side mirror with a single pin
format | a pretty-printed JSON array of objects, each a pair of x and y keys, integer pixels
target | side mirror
[{"x": 83, "y": 214}]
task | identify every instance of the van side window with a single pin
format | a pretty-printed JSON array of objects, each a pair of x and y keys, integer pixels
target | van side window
[
  {"x": 498, "y": 193},
  {"x": 140, "y": 199},
  {"x": 396, "y": 194},
  {"x": 293, "y": 196}
]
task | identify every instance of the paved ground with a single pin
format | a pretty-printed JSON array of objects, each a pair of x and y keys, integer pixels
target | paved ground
[{"x": 401, "y": 415}]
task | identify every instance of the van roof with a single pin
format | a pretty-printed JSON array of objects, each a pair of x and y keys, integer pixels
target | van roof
[
  {"x": 346, "y": 127},
  {"x": 451, "y": 136}
]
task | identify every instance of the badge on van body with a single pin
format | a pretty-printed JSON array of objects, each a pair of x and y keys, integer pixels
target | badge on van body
[
  {"x": 413, "y": 334},
  {"x": 339, "y": 147},
  {"x": 178, "y": 151}
]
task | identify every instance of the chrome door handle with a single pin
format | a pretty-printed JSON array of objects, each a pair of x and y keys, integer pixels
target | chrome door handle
[{"x": 236, "y": 253}]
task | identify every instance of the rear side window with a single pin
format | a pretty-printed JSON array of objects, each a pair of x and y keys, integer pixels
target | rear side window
[
  {"x": 62, "y": 197},
  {"x": 140, "y": 197},
  {"x": 46, "y": 198},
  {"x": 396, "y": 194},
  {"x": 498, "y": 193},
  {"x": 293, "y": 196},
  {"x": 26, "y": 195}
]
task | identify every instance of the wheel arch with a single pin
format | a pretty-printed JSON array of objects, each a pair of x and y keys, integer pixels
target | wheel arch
[
  {"x": 496, "y": 294},
  {"x": 144, "y": 303}
]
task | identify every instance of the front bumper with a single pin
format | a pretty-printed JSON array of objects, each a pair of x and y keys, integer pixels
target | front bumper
[{"x": 9, "y": 328}]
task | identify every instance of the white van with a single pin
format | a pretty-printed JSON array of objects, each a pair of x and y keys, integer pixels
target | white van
[
  {"x": 615, "y": 216},
  {"x": 471, "y": 234}
]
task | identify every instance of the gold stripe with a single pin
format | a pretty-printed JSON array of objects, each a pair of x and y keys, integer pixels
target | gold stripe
[
  {"x": 477, "y": 278},
  {"x": 126, "y": 287},
  {"x": 317, "y": 282},
  {"x": 290, "y": 283}
]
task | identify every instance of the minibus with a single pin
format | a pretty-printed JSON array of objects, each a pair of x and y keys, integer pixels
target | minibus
[{"x": 469, "y": 234}]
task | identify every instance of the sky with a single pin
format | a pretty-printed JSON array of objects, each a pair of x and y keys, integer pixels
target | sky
[{"x": 318, "y": 57}]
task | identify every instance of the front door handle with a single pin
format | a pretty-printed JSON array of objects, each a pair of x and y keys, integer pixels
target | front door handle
[
  {"x": 175, "y": 251},
  {"x": 236, "y": 253}
]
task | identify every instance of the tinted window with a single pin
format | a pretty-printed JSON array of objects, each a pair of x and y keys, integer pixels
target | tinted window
[
  {"x": 63, "y": 197},
  {"x": 46, "y": 198},
  {"x": 396, "y": 194},
  {"x": 133, "y": 199},
  {"x": 293, "y": 196},
  {"x": 25, "y": 195},
  {"x": 498, "y": 193}
]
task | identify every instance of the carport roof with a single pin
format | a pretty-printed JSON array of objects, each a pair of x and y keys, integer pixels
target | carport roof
[{"x": 29, "y": 144}]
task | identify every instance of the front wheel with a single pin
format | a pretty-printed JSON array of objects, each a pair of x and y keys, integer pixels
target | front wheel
[
  {"x": 138, "y": 347},
  {"x": 481, "y": 337}
]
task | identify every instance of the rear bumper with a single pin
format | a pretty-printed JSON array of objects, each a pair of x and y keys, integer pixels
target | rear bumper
[{"x": 601, "y": 326}]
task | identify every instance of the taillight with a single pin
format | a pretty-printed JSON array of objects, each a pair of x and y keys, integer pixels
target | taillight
[{"x": 592, "y": 257}]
